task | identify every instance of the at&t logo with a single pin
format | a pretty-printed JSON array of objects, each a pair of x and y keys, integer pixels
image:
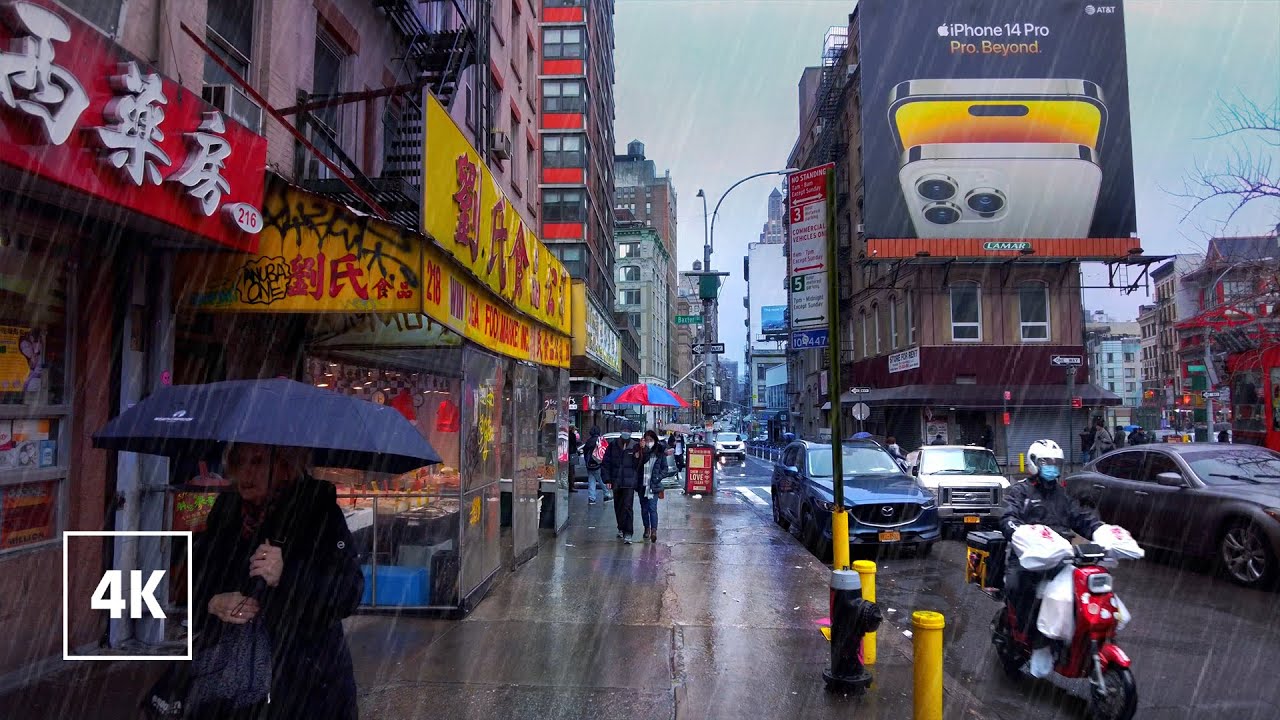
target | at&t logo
[{"x": 1099, "y": 9}]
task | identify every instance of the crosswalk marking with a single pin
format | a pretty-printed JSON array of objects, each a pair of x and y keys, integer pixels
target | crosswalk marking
[{"x": 755, "y": 495}]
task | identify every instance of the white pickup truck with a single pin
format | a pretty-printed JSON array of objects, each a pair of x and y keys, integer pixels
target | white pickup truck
[{"x": 965, "y": 480}]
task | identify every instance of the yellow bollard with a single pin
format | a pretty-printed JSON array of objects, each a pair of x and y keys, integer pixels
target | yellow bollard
[
  {"x": 840, "y": 540},
  {"x": 1022, "y": 462},
  {"x": 926, "y": 640},
  {"x": 867, "y": 572}
]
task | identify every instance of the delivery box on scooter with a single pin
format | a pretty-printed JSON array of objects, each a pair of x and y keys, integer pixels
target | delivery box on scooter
[{"x": 986, "y": 556}]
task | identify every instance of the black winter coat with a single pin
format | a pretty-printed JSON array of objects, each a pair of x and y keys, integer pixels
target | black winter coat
[
  {"x": 621, "y": 469},
  {"x": 312, "y": 674},
  {"x": 1027, "y": 504}
]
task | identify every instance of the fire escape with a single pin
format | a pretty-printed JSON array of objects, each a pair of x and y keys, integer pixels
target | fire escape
[
  {"x": 441, "y": 41},
  {"x": 831, "y": 135}
]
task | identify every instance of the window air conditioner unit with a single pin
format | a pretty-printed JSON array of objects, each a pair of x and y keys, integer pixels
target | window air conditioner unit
[
  {"x": 500, "y": 147},
  {"x": 860, "y": 228},
  {"x": 235, "y": 104}
]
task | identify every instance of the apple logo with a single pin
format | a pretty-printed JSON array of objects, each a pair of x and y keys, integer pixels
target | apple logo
[{"x": 943, "y": 31}]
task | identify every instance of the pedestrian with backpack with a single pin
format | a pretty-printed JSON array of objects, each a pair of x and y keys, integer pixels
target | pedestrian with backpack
[{"x": 593, "y": 452}]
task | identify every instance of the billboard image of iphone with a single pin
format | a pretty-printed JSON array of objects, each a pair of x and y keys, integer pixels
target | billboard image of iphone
[
  {"x": 1006, "y": 110},
  {"x": 1001, "y": 190}
]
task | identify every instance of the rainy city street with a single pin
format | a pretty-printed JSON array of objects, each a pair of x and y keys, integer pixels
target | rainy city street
[
  {"x": 717, "y": 619},
  {"x": 325, "y": 325}
]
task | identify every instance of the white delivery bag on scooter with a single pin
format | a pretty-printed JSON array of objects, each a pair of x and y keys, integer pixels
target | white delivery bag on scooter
[
  {"x": 1118, "y": 541},
  {"x": 1057, "y": 618},
  {"x": 1039, "y": 548}
]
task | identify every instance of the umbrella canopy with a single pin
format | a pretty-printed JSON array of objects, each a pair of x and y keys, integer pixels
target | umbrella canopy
[
  {"x": 644, "y": 394},
  {"x": 343, "y": 431}
]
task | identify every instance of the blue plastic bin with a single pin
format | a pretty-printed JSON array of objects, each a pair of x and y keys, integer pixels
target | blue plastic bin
[{"x": 397, "y": 586}]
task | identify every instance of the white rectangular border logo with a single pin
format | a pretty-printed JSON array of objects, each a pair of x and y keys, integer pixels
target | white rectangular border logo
[{"x": 66, "y": 637}]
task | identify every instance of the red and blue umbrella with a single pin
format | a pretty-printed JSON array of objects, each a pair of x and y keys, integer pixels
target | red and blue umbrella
[{"x": 644, "y": 394}]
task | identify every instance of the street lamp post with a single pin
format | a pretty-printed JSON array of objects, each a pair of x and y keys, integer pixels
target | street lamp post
[{"x": 710, "y": 334}]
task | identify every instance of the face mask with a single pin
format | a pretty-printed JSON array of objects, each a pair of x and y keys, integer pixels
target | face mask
[{"x": 1049, "y": 474}]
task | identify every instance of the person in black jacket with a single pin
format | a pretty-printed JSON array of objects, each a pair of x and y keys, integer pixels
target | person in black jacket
[
  {"x": 278, "y": 551},
  {"x": 622, "y": 470},
  {"x": 1039, "y": 500}
]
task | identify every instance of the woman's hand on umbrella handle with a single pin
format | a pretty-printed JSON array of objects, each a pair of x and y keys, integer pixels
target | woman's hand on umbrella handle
[
  {"x": 267, "y": 563},
  {"x": 234, "y": 608}
]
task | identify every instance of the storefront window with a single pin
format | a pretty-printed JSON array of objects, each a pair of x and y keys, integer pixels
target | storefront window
[
  {"x": 34, "y": 295},
  {"x": 406, "y": 527}
]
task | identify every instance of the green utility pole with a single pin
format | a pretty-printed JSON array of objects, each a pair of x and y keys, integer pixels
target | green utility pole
[{"x": 839, "y": 519}]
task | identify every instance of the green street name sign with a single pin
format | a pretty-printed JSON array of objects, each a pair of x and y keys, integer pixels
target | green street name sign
[
  {"x": 1005, "y": 246},
  {"x": 688, "y": 319}
]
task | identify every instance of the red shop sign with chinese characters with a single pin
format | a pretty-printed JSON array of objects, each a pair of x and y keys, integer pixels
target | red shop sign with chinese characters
[{"x": 76, "y": 109}]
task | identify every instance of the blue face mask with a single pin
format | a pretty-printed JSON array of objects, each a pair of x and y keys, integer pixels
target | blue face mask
[{"x": 1049, "y": 474}]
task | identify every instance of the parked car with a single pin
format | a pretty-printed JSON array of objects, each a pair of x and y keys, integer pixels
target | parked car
[
  {"x": 730, "y": 446},
  {"x": 1203, "y": 500},
  {"x": 885, "y": 505},
  {"x": 966, "y": 481}
]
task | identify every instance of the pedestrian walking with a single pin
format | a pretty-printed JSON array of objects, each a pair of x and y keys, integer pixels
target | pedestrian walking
[
  {"x": 653, "y": 458},
  {"x": 677, "y": 444},
  {"x": 1103, "y": 442},
  {"x": 989, "y": 438},
  {"x": 1119, "y": 436},
  {"x": 575, "y": 444},
  {"x": 622, "y": 470},
  {"x": 275, "y": 559},
  {"x": 938, "y": 440},
  {"x": 593, "y": 456},
  {"x": 1224, "y": 436},
  {"x": 1086, "y": 443}
]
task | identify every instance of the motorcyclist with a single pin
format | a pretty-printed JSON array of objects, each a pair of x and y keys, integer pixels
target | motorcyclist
[{"x": 1040, "y": 500}]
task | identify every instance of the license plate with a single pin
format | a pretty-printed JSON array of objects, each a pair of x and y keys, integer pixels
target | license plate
[
  {"x": 890, "y": 536},
  {"x": 972, "y": 519}
]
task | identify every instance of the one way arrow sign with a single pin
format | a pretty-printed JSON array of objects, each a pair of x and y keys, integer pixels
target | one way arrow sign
[
  {"x": 1066, "y": 360},
  {"x": 713, "y": 348}
]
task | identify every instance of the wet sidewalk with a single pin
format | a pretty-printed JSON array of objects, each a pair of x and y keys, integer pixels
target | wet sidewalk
[{"x": 714, "y": 620}]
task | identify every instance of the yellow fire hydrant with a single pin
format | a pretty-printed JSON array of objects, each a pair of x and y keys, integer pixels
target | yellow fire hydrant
[
  {"x": 926, "y": 640},
  {"x": 866, "y": 570}
]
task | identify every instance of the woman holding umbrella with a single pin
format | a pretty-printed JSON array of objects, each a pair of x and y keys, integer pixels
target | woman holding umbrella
[{"x": 277, "y": 552}]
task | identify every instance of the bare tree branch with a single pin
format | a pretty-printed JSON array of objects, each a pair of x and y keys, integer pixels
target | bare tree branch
[{"x": 1249, "y": 173}]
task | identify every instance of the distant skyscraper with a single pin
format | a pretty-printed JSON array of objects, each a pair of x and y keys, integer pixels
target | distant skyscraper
[
  {"x": 775, "y": 227},
  {"x": 642, "y": 195}
]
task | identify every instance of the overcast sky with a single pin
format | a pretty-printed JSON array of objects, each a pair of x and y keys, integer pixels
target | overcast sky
[{"x": 710, "y": 87}]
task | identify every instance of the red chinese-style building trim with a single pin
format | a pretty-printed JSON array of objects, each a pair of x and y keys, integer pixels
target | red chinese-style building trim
[
  {"x": 566, "y": 176},
  {"x": 563, "y": 231},
  {"x": 563, "y": 121},
  {"x": 563, "y": 67},
  {"x": 564, "y": 15}
]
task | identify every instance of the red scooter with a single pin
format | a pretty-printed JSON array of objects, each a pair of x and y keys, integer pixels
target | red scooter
[{"x": 1092, "y": 652}]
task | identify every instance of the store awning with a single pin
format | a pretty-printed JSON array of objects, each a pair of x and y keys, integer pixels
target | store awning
[{"x": 982, "y": 396}]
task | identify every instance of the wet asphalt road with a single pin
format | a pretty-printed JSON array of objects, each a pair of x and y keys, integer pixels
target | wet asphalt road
[
  {"x": 1201, "y": 646},
  {"x": 717, "y": 620}
]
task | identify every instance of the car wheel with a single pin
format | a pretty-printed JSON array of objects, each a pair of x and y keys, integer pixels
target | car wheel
[
  {"x": 1246, "y": 556},
  {"x": 778, "y": 518}
]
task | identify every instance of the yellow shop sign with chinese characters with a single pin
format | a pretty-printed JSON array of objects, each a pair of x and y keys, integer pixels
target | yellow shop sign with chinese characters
[
  {"x": 469, "y": 216},
  {"x": 314, "y": 256}
]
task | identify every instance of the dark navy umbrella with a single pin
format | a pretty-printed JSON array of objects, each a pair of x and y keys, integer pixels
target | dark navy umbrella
[{"x": 342, "y": 431}]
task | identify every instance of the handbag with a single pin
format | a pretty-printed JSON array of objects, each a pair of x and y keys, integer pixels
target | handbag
[
  {"x": 234, "y": 671},
  {"x": 166, "y": 700}
]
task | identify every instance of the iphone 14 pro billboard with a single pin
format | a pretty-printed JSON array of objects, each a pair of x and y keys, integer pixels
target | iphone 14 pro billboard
[{"x": 995, "y": 119}]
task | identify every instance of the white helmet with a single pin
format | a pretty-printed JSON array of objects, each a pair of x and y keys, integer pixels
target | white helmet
[{"x": 1045, "y": 453}]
